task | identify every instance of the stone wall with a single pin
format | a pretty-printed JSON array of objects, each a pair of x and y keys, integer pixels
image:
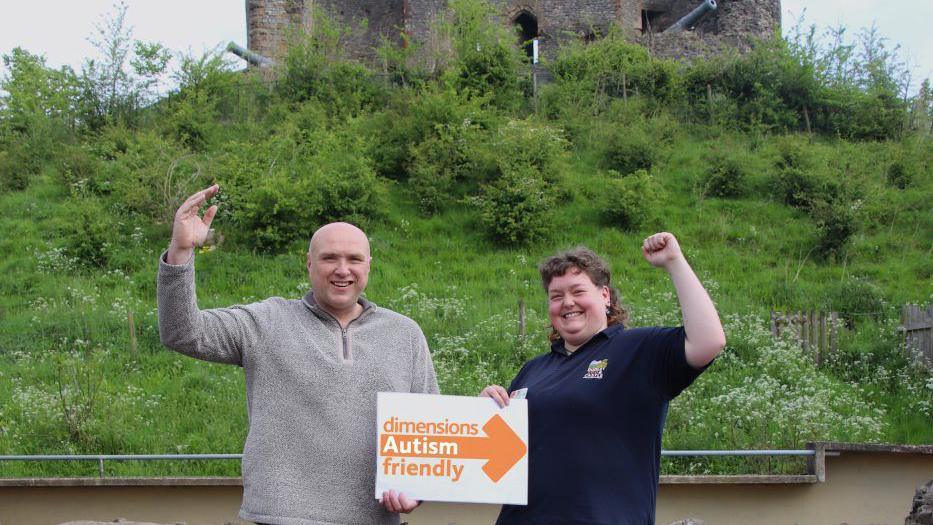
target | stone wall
[
  {"x": 268, "y": 23},
  {"x": 736, "y": 23},
  {"x": 368, "y": 22}
]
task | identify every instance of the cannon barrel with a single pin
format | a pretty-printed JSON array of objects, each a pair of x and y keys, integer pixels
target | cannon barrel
[
  {"x": 251, "y": 57},
  {"x": 692, "y": 17}
]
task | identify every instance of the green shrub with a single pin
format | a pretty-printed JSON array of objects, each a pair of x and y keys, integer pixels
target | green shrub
[
  {"x": 262, "y": 201},
  {"x": 275, "y": 191},
  {"x": 437, "y": 163},
  {"x": 485, "y": 61},
  {"x": 529, "y": 143},
  {"x": 316, "y": 68},
  {"x": 628, "y": 201},
  {"x": 17, "y": 168},
  {"x": 900, "y": 174},
  {"x": 837, "y": 220},
  {"x": 349, "y": 187},
  {"x": 627, "y": 150},
  {"x": 90, "y": 232},
  {"x": 81, "y": 171},
  {"x": 796, "y": 187},
  {"x": 725, "y": 177},
  {"x": 516, "y": 208},
  {"x": 153, "y": 176},
  {"x": 416, "y": 117},
  {"x": 277, "y": 211},
  {"x": 856, "y": 299},
  {"x": 614, "y": 68}
]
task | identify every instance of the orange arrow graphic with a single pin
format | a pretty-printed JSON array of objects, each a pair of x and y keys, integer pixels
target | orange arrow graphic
[{"x": 501, "y": 446}]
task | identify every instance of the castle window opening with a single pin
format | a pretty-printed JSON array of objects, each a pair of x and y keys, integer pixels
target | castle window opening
[
  {"x": 649, "y": 21},
  {"x": 526, "y": 24}
]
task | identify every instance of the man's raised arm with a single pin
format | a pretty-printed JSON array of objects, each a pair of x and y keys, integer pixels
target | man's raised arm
[
  {"x": 189, "y": 230},
  {"x": 218, "y": 335}
]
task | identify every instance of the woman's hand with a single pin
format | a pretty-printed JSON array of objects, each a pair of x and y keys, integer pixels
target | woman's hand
[
  {"x": 499, "y": 394},
  {"x": 661, "y": 249}
]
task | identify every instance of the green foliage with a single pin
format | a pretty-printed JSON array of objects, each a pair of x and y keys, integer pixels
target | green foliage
[
  {"x": 837, "y": 220},
  {"x": 437, "y": 163},
  {"x": 515, "y": 209},
  {"x": 856, "y": 299},
  {"x": 276, "y": 191},
  {"x": 628, "y": 201},
  {"x": 611, "y": 67},
  {"x": 37, "y": 115},
  {"x": 486, "y": 62},
  {"x": 205, "y": 85},
  {"x": 17, "y": 167},
  {"x": 89, "y": 232},
  {"x": 314, "y": 144},
  {"x": 628, "y": 149},
  {"x": 350, "y": 190},
  {"x": 437, "y": 115},
  {"x": 315, "y": 68},
  {"x": 900, "y": 174},
  {"x": 767, "y": 393},
  {"x": 726, "y": 176},
  {"x": 149, "y": 174}
]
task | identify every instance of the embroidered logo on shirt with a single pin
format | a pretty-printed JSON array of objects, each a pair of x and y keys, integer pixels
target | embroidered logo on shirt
[{"x": 595, "y": 370}]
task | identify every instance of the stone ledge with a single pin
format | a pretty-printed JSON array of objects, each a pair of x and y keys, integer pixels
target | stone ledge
[
  {"x": 887, "y": 448},
  {"x": 804, "y": 479}
]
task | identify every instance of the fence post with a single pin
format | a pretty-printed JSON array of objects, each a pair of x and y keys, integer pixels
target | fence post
[
  {"x": 521, "y": 318},
  {"x": 132, "y": 328}
]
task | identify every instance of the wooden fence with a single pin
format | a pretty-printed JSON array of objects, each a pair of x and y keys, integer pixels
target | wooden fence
[
  {"x": 817, "y": 331},
  {"x": 917, "y": 325}
]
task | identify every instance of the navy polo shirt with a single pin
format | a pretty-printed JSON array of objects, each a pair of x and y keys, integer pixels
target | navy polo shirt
[{"x": 595, "y": 418}]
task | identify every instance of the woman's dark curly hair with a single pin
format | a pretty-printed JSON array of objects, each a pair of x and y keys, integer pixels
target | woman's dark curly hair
[{"x": 585, "y": 260}]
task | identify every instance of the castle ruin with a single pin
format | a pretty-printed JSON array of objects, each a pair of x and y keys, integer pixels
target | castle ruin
[{"x": 733, "y": 24}]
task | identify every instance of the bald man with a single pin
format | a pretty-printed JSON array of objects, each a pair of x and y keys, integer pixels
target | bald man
[{"x": 313, "y": 367}]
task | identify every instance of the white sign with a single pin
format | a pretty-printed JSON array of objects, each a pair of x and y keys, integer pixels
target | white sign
[{"x": 452, "y": 448}]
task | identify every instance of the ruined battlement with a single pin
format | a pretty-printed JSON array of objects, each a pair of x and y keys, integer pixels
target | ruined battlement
[{"x": 734, "y": 24}]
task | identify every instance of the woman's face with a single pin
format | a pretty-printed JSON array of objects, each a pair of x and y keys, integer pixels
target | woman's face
[{"x": 577, "y": 307}]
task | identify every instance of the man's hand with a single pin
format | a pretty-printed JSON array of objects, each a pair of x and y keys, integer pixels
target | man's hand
[
  {"x": 398, "y": 502},
  {"x": 661, "y": 249},
  {"x": 189, "y": 230}
]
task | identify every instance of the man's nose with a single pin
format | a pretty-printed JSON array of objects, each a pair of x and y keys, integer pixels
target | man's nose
[{"x": 342, "y": 267}]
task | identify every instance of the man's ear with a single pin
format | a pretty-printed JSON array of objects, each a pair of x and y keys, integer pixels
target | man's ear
[{"x": 308, "y": 263}]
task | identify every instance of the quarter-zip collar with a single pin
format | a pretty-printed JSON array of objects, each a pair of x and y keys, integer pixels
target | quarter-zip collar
[{"x": 326, "y": 316}]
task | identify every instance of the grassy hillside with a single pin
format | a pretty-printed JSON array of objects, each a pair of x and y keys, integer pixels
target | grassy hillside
[{"x": 435, "y": 168}]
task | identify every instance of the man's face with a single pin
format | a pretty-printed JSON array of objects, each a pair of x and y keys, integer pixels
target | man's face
[{"x": 338, "y": 267}]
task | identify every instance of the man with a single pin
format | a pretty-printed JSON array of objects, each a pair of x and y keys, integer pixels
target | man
[{"x": 313, "y": 367}]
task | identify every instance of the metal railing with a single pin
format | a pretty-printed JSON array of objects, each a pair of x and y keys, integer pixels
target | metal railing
[{"x": 101, "y": 458}]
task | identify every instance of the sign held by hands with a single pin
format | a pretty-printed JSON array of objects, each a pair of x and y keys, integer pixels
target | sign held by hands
[{"x": 452, "y": 448}]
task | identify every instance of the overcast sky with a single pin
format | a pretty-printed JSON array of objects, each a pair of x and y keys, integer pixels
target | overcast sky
[{"x": 59, "y": 30}]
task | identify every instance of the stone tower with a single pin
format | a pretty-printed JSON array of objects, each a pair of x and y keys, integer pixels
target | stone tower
[{"x": 736, "y": 23}]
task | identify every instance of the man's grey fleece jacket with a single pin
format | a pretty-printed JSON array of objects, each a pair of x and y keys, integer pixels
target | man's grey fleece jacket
[{"x": 310, "y": 454}]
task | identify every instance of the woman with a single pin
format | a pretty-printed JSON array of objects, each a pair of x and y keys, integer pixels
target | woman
[{"x": 597, "y": 402}]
